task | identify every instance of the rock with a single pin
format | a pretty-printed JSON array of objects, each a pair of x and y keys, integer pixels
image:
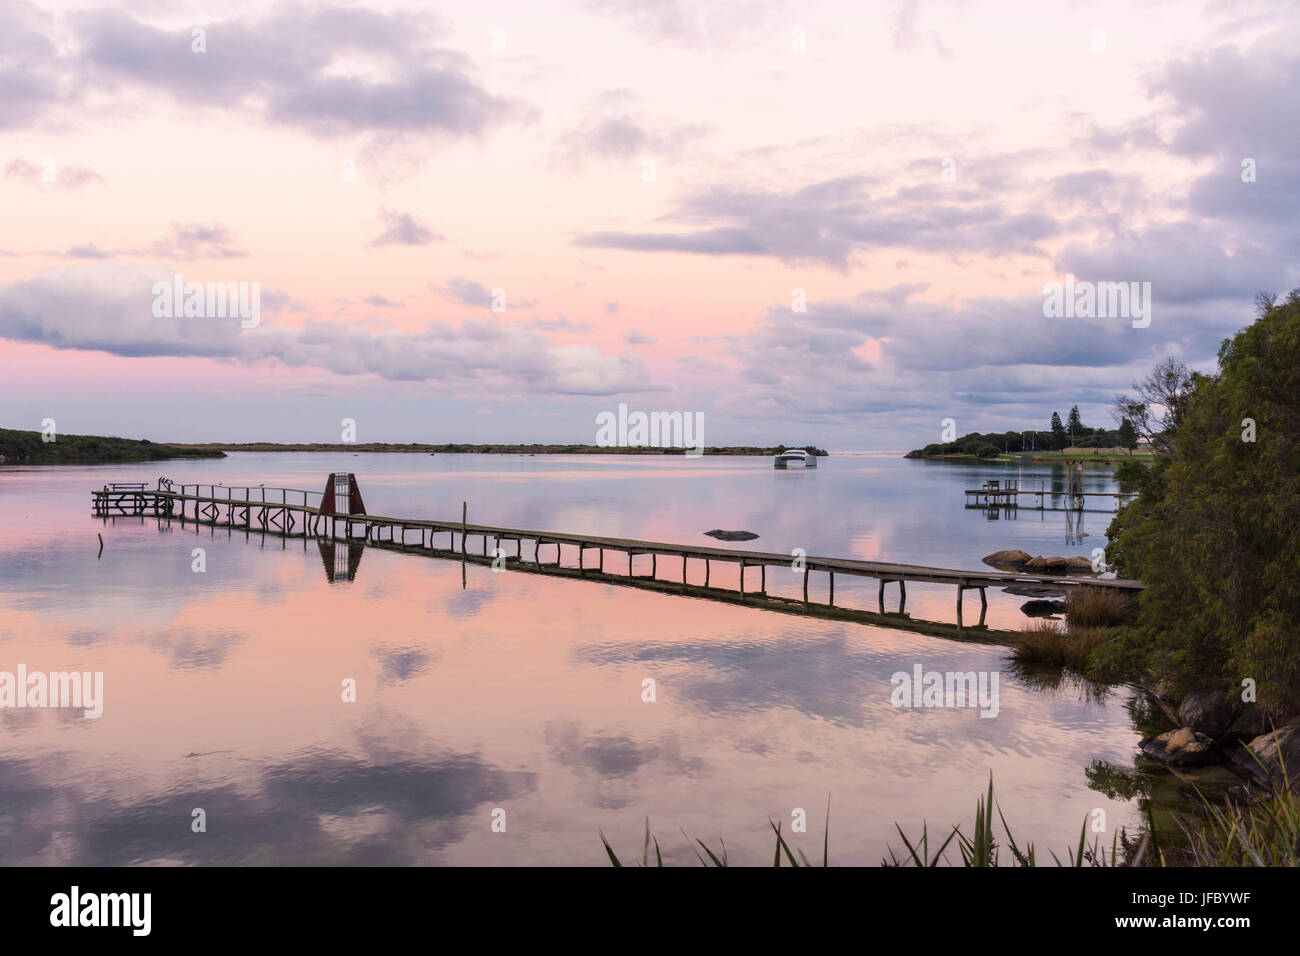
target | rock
[
  {"x": 1029, "y": 590},
  {"x": 1043, "y": 608},
  {"x": 1273, "y": 749},
  {"x": 1077, "y": 562},
  {"x": 731, "y": 535},
  {"x": 1250, "y": 723},
  {"x": 1183, "y": 747},
  {"x": 1207, "y": 712},
  {"x": 1007, "y": 559},
  {"x": 1041, "y": 563}
]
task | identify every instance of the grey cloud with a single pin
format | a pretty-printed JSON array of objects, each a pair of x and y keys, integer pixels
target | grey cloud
[
  {"x": 403, "y": 229},
  {"x": 828, "y": 221},
  {"x": 1185, "y": 262},
  {"x": 466, "y": 292},
  {"x": 29, "y": 82},
  {"x": 380, "y": 302},
  {"x": 196, "y": 241},
  {"x": 283, "y": 67},
  {"x": 694, "y": 22},
  {"x": 615, "y": 129},
  {"x": 637, "y": 337},
  {"x": 64, "y": 177},
  {"x": 561, "y": 324},
  {"x": 107, "y": 307}
]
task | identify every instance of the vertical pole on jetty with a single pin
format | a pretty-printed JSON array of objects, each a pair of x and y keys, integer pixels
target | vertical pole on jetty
[
  {"x": 742, "y": 580},
  {"x": 464, "y": 512},
  {"x": 805, "y": 586},
  {"x": 832, "y": 597}
]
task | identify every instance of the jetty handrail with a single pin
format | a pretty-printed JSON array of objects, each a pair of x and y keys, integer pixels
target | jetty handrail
[{"x": 252, "y": 494}]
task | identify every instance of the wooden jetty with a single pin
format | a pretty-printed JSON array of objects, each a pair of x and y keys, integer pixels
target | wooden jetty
[
  {"x": 294, "y": 512},
  {"x": 998, "y": 494}
]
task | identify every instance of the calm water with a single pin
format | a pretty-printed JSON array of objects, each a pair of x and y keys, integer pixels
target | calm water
[{"x": 516, "y": 692}]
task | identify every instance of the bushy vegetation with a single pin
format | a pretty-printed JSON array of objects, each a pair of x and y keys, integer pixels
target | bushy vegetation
[
  {"x": 1072, "y": 433},
  {"x": 29, "y": 448},
  {"x": 1213, "y": 534}
]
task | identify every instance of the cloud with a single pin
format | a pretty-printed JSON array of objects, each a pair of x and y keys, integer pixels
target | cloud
[
  {"x": 561, "y": 324},
  {"x": 196, "y": 241},
  {"x": 29, "y": 81},
  {"x": 828, "y": 221},
  {"x": 635, "y": 337},
  {"x": 108, "y": 307},
  {"x": 403, "y": 229},
  {"x": 466, "y": 292},
  {"x": 48, "y": 175},
  {"x": 615, "y": 129},
  {"x": 327, "y": 71},
  {"x": 693, "y": 22},
  {"x": 286, "y": 66},
  {"x": 380, "y": 302}
]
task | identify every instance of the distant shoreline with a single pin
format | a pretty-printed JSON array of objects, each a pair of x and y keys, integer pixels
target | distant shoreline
[
  {"x": 31, "y": 448},
  {"x": 454, "y": 448}
]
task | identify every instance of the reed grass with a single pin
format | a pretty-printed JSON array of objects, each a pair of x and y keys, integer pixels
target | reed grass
[
  {"x": 1046, "y": 642},
  {"x": 1098, "y": 607},
  {"x": 1261, "y": 830}
]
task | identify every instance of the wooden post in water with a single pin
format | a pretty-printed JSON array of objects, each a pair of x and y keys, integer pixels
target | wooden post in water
[{"x": 464, "y": 512}]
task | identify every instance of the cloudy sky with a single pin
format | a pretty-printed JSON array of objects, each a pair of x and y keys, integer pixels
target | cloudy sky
[{"x": 644, "y": 190}]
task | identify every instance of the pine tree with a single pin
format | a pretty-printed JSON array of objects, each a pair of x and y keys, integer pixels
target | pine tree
[{"x": 1059, "y": 437}]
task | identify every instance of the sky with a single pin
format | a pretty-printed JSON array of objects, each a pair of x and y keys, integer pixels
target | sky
[{"x": 808, "y": 222}]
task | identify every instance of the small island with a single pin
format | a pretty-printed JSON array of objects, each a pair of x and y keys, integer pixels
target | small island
[{"x": 1071, "y": 439}]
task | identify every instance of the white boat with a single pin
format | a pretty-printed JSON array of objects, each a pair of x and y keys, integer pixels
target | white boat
[{"x": 794, "y": 454}]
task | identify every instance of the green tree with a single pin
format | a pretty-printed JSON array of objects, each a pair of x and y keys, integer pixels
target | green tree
[
  {"x": 1059, "y": 437},
  {"x": 1128, "y": 436},
  {"x": 1213, "y": 532},
  {"x": 1074, "y": 425}
]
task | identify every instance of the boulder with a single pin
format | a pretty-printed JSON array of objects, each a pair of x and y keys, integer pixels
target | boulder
[
  {"x": 1248, "y": 725},
  {"x": 1183, "y": 747},
  {"x": 1077, "y": 562},
  {"x": 1274, "y": 749},
  {"x": 1043, "y": 608},
  {"x": 731, "y": 535},
  {"x": 1029, "y": 590},
  {"x": 1013, "y": 558},
  {"x": 1041, "y": 563},
  {"x": 1207, "y": 712}
]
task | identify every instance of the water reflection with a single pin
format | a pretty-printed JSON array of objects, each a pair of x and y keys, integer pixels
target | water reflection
[
  {"x": 341, "y": 558},
  {"x": 479, "y": 690}
]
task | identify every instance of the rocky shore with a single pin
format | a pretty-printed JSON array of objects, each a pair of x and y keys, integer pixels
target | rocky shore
[{"x": 1213, "y": 729}]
